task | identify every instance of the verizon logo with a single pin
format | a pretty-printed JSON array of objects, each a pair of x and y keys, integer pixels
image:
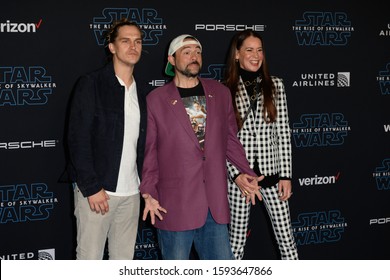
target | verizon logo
[
  {"x": 317, "y": 180},
  {"x": 12, "y": 27}
]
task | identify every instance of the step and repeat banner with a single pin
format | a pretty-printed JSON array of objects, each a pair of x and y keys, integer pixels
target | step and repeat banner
[{"x": 334, "y": 58}]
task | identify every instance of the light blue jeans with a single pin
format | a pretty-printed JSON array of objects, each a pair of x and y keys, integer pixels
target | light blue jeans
[{"x": 211, "y": 242}]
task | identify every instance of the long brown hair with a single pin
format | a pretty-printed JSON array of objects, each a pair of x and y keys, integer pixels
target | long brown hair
[{"x": 232, "y": 77}]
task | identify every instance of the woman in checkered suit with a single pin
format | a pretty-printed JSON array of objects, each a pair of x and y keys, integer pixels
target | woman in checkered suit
[{"x": 260, "y": 104}]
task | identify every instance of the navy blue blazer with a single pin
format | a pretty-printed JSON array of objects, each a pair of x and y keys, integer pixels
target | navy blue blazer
[{"x": 96, "y": 129}]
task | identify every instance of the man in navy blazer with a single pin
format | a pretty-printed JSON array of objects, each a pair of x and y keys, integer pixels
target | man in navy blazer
[
  {"x": 191, "y": 133},
  {"x": 107, "y": 128}
]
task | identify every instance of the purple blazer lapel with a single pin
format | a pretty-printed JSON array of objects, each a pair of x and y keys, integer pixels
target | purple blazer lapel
[{"x": 210, "y": 108}]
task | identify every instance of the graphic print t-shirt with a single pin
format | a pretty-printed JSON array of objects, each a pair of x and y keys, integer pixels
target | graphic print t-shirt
[{"x": 194, "y": 102}]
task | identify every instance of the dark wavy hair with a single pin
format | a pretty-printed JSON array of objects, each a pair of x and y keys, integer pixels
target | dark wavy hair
[
  {"x": 232, "y": 76},
  {"x": 112, "y": 33}
]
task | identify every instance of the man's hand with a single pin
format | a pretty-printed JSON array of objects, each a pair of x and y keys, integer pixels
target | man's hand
[
  {"x": 249, "y": 187},
  {"x": 98, "y": 202},
  {"x": 152, "y": 206}
]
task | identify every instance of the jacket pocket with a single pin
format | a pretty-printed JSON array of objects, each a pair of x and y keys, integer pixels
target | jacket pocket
[{"x": 105, "y": 123}]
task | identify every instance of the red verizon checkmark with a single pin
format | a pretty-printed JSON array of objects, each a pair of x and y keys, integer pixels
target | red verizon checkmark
[
  {"x": 39, "y": 23},
  {"x": 337, "y": 176}
]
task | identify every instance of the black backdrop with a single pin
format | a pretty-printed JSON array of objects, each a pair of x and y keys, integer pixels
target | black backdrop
[{"x": 334, "y": 58}]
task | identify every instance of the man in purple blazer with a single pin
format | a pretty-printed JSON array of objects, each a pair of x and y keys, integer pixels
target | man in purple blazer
[{"x": 191, "y": 132}]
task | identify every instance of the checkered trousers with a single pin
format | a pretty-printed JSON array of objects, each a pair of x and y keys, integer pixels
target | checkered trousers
[
  {"x": 270, "y": 143},
  {"x": 278, "y": 212}
]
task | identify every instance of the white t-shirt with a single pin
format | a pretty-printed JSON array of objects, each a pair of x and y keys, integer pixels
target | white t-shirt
[{"x": 128, "y": 178}]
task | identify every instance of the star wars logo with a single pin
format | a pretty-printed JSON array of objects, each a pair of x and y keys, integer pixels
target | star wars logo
[
  {"x": 382, "y": 175},
  {"x": 214, "y": 71},
  {"x": 25, "y": 202},
  {"x": 319, "y": 227},
  {"x": 146, "y": 247},
  {"x": 323, "y": 29},
  {"x": 21, "y": 86},
  {"x": 148, "y": 20},
  {"x": 384, "y": 80},
  {"x": 320, "y": 130}
]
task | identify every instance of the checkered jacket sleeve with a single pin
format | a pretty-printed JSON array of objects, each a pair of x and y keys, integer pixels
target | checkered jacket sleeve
[{"x": 269, "y": 142}]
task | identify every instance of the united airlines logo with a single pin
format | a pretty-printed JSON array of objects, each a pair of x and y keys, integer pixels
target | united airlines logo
[
  {"x": 339, "y": 79},
  {"x": 23, "y": 86},
  {"x": 382, "y": 175},
  {"x": 17, "y": 256},
  {"x": 46, "y": 254},
  {"x": 319, "y": 227},
  {"x": 148, "y": 19},
  {"x": 13, "y": 27},
  {"x": 320, "y": 130},
  {"x": 385, "y": 32},
  {"x": 25, "y": 202},
  {"x": 384, "y": 80},
  {"x": 323, "y": 29},
  {"x": 43, "y": 254}
]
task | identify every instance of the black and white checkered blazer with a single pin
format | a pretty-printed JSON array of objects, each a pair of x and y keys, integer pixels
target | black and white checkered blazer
[{"x": 270, "y": 142}]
